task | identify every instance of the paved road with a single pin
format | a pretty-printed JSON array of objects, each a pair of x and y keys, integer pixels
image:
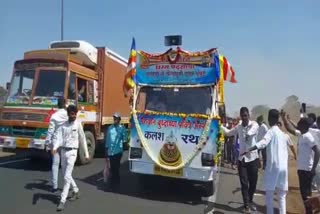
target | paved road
[
  {"x": 24, "y": 189},
  {"x": 229, "y": 199}
]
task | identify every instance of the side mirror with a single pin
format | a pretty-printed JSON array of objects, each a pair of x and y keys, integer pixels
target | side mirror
[{"x": 8, "y": 86}]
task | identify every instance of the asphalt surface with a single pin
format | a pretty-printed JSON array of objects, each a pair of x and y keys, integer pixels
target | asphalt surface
[{"x": 24, "y": 188}]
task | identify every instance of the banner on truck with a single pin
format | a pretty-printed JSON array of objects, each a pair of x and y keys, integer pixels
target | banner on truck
[
  {"x": 178, "y": 67},
  {"x": 173, "y": 139}
]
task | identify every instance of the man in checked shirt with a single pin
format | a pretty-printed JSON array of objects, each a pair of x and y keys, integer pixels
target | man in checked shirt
[{"x": 67, "y": 138}]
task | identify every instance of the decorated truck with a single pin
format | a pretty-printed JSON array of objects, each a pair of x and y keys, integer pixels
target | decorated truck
[
  {"x": 177, "y": 110},
  {"x": 82, "y": 74}
]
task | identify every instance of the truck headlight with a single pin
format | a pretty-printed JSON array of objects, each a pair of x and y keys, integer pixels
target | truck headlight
[
  {"x": 4, "y": 130},
  {"x": 135, "y": 153},
  {"x": 41, "y": 133},
  {"x": 207, "y": 159}
]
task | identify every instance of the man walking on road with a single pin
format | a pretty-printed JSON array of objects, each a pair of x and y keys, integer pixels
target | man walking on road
[
  {"x": 248, "y": 164},
  {"x": 262, "y": 131},
  {"x": 56, "y": 120},
  {"x": 308, "y": 156},
  {"x": 313, "y": 120},
  {"x": 276, "y": 171},
  {"x": 114, "y": 144},
  {"x": 67, "y": 138}
]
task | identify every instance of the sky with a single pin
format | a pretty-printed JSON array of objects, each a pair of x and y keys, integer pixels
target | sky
[{"x": 273, "y": 45}]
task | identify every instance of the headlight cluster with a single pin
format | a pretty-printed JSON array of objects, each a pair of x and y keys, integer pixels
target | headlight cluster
[
  {"x": 5, "y": 130},
  {"x": 41, "y": 133}
]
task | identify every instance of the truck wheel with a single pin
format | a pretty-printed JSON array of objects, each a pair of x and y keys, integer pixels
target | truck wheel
[
  {"x": 209, "y": 188},
  {"x": 91, "y": 144}
]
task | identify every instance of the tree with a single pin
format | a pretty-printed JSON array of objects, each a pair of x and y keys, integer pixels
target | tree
[
  {"x": 3, "y": 95},
  {"x": 258, "y": 110},
  {"x": 292, "y": 106},
  {"x": 292, "y": 99},
  {"x": 313, "y": 109}
]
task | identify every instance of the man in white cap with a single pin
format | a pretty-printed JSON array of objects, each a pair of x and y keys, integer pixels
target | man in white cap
[{"x": 114, "y": 140}]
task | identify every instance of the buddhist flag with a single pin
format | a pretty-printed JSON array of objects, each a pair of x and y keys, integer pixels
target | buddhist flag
[
  {"x": 129, "y": 82},
  {"x": 227, "y": 69}
]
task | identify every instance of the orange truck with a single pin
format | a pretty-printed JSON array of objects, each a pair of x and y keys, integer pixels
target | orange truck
[{"x": 84, "y": 75}]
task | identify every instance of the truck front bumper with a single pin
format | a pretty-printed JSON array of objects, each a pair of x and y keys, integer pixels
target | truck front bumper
[
  {"x": 203, "y": 174},
  {"x": 21, "y": 143}
]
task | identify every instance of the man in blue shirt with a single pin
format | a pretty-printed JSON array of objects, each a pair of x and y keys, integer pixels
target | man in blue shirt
[{"x": 115, "y": 137}]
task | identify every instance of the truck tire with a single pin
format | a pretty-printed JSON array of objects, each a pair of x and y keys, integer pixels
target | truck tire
[
  {"x": 209, "y": 188},
  {"x": 91, "y": 144}
]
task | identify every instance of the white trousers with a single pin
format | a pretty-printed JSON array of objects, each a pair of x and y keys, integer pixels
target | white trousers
[
  {"x": 55, "y": 169},
  {"x": 68, "y": 159},
  {"x": 281, "y": 194}
]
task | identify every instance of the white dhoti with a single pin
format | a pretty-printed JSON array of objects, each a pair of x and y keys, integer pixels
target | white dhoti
[
  {"x": 276, "y": 180},
  {"x": 276, "y": 172}
]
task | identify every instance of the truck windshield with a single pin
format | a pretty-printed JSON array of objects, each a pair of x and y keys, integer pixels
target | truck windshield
[
  {"x": 50, "y": 84},
  {"x": 175, "y": 100},
  {"x": 21, "y": 87}
]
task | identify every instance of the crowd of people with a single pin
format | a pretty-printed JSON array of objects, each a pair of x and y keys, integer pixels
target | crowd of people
[
  {"x": 245, "y": 140},
  {"x": 231, "y": 145},
  {"x": 65, "y": 135},
  {"x": 249, "y": 138}
]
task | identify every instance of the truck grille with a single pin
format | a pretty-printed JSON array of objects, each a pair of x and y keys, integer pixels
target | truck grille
[
  {"x": 19, "y": 131},
  {"x": 22, "y": 116}
]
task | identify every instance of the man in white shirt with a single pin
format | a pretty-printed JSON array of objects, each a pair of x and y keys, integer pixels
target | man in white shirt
[
  {"x": 261, "y": 132},
  {"x": 316, "y": 134},
  {"x": 276, "y": 171},
  {"x": 314, "y": 130},
  {"x": 67, "y": 138},
  {"x": 56, "y": 120},
  {"x": 308, "y": 156},
  {"x": 248, "y": 164}
]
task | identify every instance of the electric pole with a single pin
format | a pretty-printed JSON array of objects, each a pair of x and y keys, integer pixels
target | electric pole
[{"x": 61, "y": 20}]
